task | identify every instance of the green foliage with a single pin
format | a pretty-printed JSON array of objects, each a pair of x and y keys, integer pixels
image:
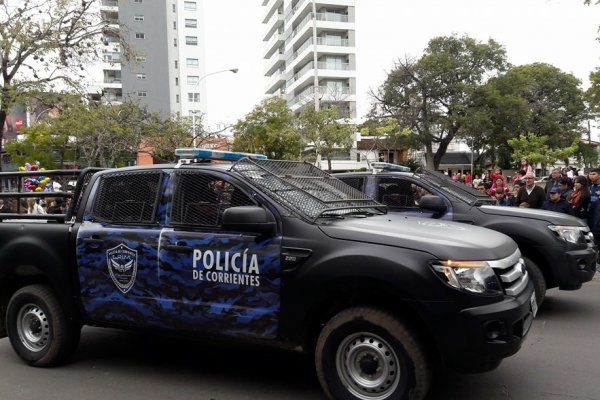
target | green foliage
[
  {"x": 325, "y": 131},
  {"x": 587, "y": 155},
  {"x": 268, "y": 129},
  {"x": 537, "y": 98},
  {"x": 100, "y": 136},
  {"x": 432, "y": 96},
  {"x": 536, "y": 149},
  {"x": 44, "y": 43},
  {"x": 592, "y": 95}
]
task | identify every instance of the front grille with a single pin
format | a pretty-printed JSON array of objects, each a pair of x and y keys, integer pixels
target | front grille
[{"x": 512, "y": 273}]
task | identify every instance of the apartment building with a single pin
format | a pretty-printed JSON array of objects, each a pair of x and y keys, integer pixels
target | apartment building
[
  {"x": 166, "y": 74},
  {"x": 309, "y": 53}
]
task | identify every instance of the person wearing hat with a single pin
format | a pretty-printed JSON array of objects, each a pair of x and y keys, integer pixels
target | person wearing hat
[{"x": 556, "y": 203}]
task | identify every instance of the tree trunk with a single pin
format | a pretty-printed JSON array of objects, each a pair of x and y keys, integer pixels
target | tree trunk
[{"x": 2, "y": 122}]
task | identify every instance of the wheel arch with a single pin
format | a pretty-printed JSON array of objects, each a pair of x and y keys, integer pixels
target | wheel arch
[
  {"x": 19, "y": 269},
  {"x": 365, "y": 292}
]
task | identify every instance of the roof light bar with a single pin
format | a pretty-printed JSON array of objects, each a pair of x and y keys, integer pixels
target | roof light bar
[
  {"x": 389, "y": 167},
  {"x": 206, "y": 154}
]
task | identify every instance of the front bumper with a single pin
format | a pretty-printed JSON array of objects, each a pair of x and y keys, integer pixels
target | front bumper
[
  {"x": 571, "y": 268},
  {"x": 482, "y": 336}
]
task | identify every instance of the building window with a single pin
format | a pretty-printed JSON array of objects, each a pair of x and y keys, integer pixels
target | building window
[
  {"x": 174, "y": 25},
  {"x": 194, "y": 97},
  {"x": 140, "y": 58},
  {"x": 191, "y": 23},
  {"x": 175, "y": 42},
  {"x": 191, "y": 40},
  {"x": 192, "y": 62},
  {"x": 140, "y": 35},
  {"x": 138, "y": 18},
  {"x": 174, "y": 8},
  {"x": 189, "y": 5},
  {"x": 176, "y": 64},
  {"x": 141, "y": 76},
  {"x": 176, "y": 81},
  {"x": 193, "y": 79},
  {"x": 138, "y": 1},
  {"x": 141, "y": 93},
  {"x": 177, "y": 98}
]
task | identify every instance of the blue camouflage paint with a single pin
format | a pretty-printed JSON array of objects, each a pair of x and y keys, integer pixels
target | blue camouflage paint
[{"x": 166, "y": 293}]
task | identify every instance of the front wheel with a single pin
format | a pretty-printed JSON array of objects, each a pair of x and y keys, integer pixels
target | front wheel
[
  {"x": 368, "y": 354},
  {"x": 38, "y": 328},
  {"x": 539, "y": 281}
]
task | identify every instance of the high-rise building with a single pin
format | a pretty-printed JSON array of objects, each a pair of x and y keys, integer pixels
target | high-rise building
[
  {"x": 167, "y": 37},
  {"x": 309, "y": 53}
]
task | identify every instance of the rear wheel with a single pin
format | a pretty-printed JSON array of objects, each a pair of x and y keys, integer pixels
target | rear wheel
[
  {"x": 537, "y": 277},
  {"x": 368, "y": 354},
  {"x": 38, "y": 328}
]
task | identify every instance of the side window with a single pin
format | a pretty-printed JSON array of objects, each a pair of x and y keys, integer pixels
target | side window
[
  {"x": 356, "y": 182},
  {"x": 200, "y": 199},
  {"x": 128, "y": 197},
  {"x": 401, "y": 193}
]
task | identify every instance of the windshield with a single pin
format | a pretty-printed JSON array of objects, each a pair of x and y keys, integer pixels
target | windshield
[
  {"x": 307, "y": 190},
  {"x": 457, "y": 189}
]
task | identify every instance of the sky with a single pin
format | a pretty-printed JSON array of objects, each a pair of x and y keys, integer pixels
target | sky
[{"x": 559, "y": 32}]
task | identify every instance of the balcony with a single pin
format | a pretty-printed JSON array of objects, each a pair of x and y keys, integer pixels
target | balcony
[
  {"x": 274, "y": 63},
  {"x": 275, "y": 83},
  {"x": 274, "y": 23},
  {"x": 272, "y": 45},
  {"x": 271, "y": 6}
]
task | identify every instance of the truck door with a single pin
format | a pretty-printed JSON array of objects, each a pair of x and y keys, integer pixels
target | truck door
[
  {"x": 117, "y": 246},
  {"x": 226, "y": 282}
]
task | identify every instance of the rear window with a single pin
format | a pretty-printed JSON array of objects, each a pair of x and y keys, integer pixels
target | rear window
[{"x": 128, "y": 197}]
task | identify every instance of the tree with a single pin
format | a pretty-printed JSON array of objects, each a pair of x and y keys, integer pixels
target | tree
[
  {"x": 325, "y": 131},
  {"x": 45, "y": 43},
  {"x": 536, "y": 149},
  {"x": 431, "y": 95},
  {"x": 535, "y": 98},
  {"x": 268, "y": 129},
  {"x": 387, "y": 135}
]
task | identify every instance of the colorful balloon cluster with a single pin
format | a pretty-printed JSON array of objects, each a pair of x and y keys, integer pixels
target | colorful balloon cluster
[{"x": 36, "y": 183}]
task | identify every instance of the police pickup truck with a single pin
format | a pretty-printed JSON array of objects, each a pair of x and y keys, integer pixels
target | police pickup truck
[
  {"x": 264, "y": 252},
  {"x": 558, "y": 249}
]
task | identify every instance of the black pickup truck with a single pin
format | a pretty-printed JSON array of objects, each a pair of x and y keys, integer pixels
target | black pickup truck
[
  {"x": 558, "y": 249},
  {"x": 264, "y": 252}
]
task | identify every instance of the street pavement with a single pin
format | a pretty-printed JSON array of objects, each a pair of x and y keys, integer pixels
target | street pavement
[{"x": 560, "y": 360}]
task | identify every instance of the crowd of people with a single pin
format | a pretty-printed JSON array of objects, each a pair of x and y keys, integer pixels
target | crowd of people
[
  {"x": 34, "y": 206},
  {"x": 566, "y": 191}
]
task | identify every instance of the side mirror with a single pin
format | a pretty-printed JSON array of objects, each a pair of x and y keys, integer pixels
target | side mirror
[
  {"x": 433, "y": 203},
  {"x": 248, "y": 219}
]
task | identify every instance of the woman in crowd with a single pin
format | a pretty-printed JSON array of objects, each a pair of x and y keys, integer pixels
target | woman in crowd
[
  {"x": 580, "y": 198},
  {"x": 499, "y": 183}
]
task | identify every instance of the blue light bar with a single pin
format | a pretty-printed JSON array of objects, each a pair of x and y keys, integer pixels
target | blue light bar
[
  {"x": 192, "y": 152},
  {"x": 389, "y": 167}
]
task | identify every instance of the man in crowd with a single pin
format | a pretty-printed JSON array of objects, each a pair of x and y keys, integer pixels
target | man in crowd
[
  {"x": 557, "y": 203},
  {"x": 530, "y": 195},
  {"x": 553, "y": 182},
  {"x": 593, "y": 215}
]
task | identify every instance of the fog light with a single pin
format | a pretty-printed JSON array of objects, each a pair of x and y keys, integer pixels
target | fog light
[{"x": 494, "y": 329}]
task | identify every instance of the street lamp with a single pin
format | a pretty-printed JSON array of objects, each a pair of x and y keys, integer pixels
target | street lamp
[{"x": 194, "y": 112}]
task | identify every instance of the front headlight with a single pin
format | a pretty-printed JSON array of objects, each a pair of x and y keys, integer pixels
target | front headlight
[
  {"x": 473, "y": 276},
  {"x": 568, "y": 233}
]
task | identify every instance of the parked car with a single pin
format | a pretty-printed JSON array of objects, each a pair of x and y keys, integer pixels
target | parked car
[{"x": 558, "y": 249}]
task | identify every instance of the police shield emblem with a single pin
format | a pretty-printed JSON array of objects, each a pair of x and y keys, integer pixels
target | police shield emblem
[{"x": 122, "y": 266}]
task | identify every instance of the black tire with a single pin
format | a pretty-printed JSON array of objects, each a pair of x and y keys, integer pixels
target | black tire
[
  {"x": 537, "y": 277},
  {"x": 365, "y": 353},
  {"x": 38, "y": 328}
]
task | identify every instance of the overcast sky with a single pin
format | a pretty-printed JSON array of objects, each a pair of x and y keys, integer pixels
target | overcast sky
[{"x": 559, "y": 32}]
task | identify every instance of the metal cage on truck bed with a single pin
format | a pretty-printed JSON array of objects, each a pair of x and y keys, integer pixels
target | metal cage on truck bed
[
  {"x": 68, "y": 184},
  {"x": 306, "y": 189}
]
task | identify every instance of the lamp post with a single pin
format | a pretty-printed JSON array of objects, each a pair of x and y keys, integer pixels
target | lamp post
[{"x": 194, "y": 112}]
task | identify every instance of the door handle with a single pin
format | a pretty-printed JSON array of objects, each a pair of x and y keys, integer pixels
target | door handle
[{"x": 178, "y": 247}]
